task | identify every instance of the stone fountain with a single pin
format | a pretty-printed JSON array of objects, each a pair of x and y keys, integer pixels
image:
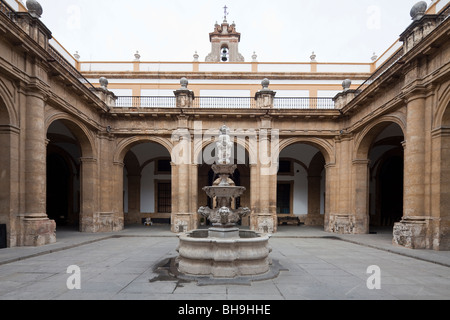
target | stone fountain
[{"x": 224, "y": 251}]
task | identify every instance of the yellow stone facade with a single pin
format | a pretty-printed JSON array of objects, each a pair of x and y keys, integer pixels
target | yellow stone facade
[{"x": 379, "y": 156}]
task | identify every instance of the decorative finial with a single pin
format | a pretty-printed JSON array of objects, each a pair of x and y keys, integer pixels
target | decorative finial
[
  {"x": 346, "y": 84},
  {"x": 265, "y": 84},
  {"x": 374, "y": 57},
  {"x": 137, "y": 56},
  {"x": 34, "y": 8},
  {"x": 313, "y": 57},
  {"x": 254, "y": 56},
  {"x": 103, "y": 83},
  {"x": 418, "y": 10},
  {"x": 196, "y": 56},
  {"x": 77, "y": 56},
  {"x": 184, "y": 83}
]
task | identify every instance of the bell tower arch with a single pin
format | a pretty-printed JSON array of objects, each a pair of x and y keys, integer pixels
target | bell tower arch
[{"x": 225, "y": 42}]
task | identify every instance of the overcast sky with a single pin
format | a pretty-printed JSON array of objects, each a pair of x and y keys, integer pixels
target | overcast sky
[{"x": 279, "y": 31}]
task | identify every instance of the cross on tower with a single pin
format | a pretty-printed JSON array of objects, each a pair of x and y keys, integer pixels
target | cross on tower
[{"x": 225, "y": 12}]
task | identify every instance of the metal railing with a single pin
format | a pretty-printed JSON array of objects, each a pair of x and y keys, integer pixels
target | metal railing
[
  {"x": 146, "y": 102},
  {"x": 225, "y": 102},
  {"x": 303, "y": 103},
  {"x": 69, "y": 67},
  {"x": 381, "y": 70},
  {"x": 7, "y": 10}
]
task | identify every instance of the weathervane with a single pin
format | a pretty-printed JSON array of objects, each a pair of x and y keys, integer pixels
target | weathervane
[{"x": 226, "y": 13}]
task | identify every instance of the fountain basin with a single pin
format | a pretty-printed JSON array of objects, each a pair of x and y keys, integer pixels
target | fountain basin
[
  {"x": 245, "y": 255},
  {"x": 224, "y": 191}
]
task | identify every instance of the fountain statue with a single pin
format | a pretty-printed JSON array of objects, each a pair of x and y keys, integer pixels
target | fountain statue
[{"x": 224, "y": 251}]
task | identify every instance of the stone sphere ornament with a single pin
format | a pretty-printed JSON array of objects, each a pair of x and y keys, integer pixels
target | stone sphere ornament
[
  {"x": 34, "y": 8},
  {"x": 184, "y": 83},
  {"x": 418, "y": 10},
  {"x": 265, "y": 84},
  {"x": 346, "y": 84},
  {"x": 103, "y": 82}
]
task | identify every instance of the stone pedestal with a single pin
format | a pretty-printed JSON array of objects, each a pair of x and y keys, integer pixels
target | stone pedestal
[
  {"x": 411, "y": 233},
  {"x": 38, "y": 230},
  {"x": 342, "y": 224}
]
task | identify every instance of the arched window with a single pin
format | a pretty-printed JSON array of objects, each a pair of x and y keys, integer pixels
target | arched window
[{"x": 225, "y": 54}]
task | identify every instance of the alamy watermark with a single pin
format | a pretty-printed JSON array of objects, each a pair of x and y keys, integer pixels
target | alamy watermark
[
  {"x": 74, "y": 280},
  {"x": 253, "y": 147},
  {"x": 374, "y": 281}
]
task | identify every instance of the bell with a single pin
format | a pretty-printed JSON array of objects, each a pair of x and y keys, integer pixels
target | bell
[{"x": 224, "y": 55}]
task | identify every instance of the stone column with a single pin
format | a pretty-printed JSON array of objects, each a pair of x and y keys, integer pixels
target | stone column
[
  {"x": 266, "y": 220},
  {"x": 254, "y": 196},
  {"x": 314, "y": 218},
  {"x": 114, "y": 220},
  {"x": 193, "y": 198},
  {"x": 134, "y": 199},
  {"x": 342, "y": 219},
  {"x": 38, "y": 229},
  {"x": 360, "y": 201},
  {"x": 183, "y": 219},
  {"x": 411, "y": 231},
  {"x": 89, "y": 200},
  {"x": 331, "y": 194}
]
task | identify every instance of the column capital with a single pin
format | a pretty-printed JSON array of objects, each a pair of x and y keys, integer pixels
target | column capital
[
  {"x": 87, "y": 160},
  {"x": 361, "y": 162}
]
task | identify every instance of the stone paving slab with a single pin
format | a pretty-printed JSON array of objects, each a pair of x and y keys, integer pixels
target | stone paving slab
[{"x": 124, "y": 267}]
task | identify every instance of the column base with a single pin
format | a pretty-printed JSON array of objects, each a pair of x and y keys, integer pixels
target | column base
[
  {"x": 342, "y": 224},
  {"x": 183, "y": 222},
  {"x": 38, "y": 230},
  {"x": 314, "y": 220},
  {"x": 347, "y": 224},
  {"x": 411, "y": 233},
  {"x": 264, "y": 223}
]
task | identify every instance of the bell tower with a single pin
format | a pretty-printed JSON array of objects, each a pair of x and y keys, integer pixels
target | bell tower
[{"x": 225, "y": 42}]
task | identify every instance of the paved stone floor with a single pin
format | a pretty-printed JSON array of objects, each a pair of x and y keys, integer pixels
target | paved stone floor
[{"x": 318, "y": 266}]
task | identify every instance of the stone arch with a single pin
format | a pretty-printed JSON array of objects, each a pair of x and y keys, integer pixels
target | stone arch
[
  {"x": 87, "y": 183},
  {"x": 7, "y": 105},
  {"x": 130, "y": 175},
  {"x": 79, "y": 130},
  {"x": 317, "y": 164},
  {"x": 442, "y": 115},
  {"x": 246, "y": 144},
  {"x": 365, "y": 138},
  {"x": 127, "y": 144},
  {"x": 366, "y": 199},
  {"x": 324, "y": 146}
]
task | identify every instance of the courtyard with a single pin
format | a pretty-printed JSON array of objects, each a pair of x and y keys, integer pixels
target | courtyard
[{"x": 314, "y": 265}]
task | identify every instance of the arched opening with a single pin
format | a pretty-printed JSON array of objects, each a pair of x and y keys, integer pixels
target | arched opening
[
  {"x": 147, "y": 184},
  {"x": 241, "y": 177},
  {"x": 63, "y": 175},
  {"x": 5, "y": 172},
  {"x": 443, "y": 242},
  {"x": 224, "y": 54},
  {"x": 301, "y": 185},
  {"x": 386, "y": 177}
]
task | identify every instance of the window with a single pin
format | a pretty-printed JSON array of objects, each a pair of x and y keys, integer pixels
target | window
[
  {"x": 164, "y": 198},
  {"x": 163, "y": 166},
  {"x": 284, "y": 198},
  {"x": 285, "y": 167}
]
